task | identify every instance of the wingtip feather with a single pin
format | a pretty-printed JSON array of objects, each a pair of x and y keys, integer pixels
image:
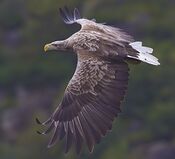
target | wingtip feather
[{"x": 68, "y": 16}]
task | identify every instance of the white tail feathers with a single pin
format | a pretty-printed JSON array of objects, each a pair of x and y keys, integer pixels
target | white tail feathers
[
  {"x": 138, "y": 46},
  {"x": 144, "y": 53}
]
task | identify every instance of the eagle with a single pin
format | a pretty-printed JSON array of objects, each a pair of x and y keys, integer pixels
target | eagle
[{"x": 93, "y": 96}]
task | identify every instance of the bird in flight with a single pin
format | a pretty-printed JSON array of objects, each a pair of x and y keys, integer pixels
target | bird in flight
[{"x": 93, "y": 96}]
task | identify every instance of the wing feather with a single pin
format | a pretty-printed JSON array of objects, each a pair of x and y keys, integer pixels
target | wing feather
[
  {"x": 91, "y": 102},
  {"x": 68, "y": 16},
  {"x": 93, "y": 96}
]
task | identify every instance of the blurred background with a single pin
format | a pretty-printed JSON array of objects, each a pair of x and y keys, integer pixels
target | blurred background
[{"x": 32, "y": 82}]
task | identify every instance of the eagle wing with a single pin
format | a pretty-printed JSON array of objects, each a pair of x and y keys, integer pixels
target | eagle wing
[
  {"x": 69, "y": 17},
  {"x": 86, "y": 24},
  {"x": 134, "y": 51},
  {"x": 91, "y": 101}
]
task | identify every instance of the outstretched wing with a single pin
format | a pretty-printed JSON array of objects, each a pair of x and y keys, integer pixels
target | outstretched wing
[
  {"x": 107, "y": 31},
  {"x": 91, "y": 101},
  {"x": 74, "y": 17},
  {"x": 68, "y": 16},
  {"x": 114, "y": 41}
]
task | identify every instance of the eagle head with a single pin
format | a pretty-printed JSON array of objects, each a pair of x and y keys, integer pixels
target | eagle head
[{"x": 56, "y": 45}]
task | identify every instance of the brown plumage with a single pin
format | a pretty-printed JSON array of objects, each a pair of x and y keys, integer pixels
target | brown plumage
[{"x": 93, "y": 96}]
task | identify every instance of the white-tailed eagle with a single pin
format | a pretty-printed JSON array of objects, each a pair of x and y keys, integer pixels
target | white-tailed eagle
[{"x": 93, "y": 96}]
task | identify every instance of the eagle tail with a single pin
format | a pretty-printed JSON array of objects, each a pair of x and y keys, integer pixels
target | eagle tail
[{"x": 144, "y": 53}]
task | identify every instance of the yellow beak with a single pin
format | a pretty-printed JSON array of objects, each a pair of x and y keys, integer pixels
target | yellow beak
[{"x": 46, "y": 47}]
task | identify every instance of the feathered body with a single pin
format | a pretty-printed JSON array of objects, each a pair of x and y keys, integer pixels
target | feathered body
[{"x": 94, "y": 94}]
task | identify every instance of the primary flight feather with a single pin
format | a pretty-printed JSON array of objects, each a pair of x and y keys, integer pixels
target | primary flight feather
[{"x": 93, "y": 96}]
